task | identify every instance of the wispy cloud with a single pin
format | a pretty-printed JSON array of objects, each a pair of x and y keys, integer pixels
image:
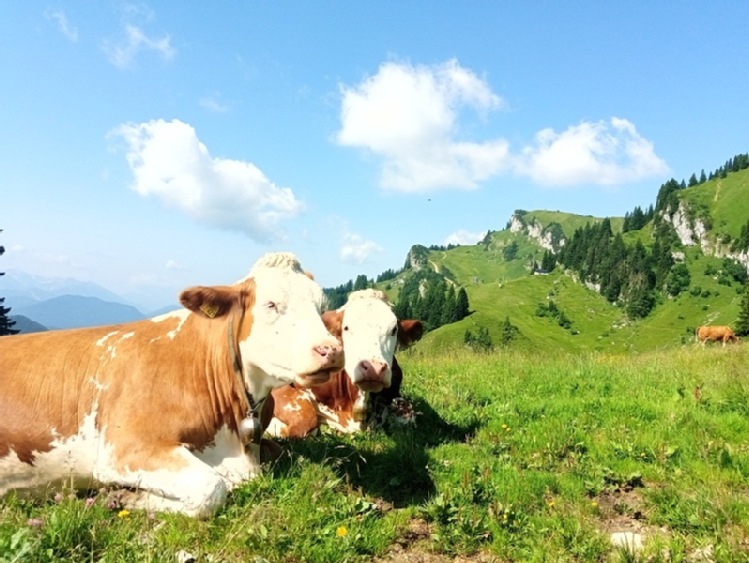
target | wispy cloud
[
  {"x": 213, "y": 104},
  {"x": 123, "y": 50},
  {"x": 169, "y": 162},
  {"x": 354, "y": 248},
  {"x": 63, "y": 25},
  {"x": 409, "y": 116},
  {"x": 465, "y": 237}
]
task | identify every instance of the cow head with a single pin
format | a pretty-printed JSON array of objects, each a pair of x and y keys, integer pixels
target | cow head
[
  {"x": 276, "y": 322},
  {"x": 369, "y": 331}
]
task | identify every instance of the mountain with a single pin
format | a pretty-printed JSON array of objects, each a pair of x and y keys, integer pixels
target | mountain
[
  {"x": 24, "y": 325},
  {"x": 76, "y": 311},
  {"x": 693, "y": 254},
  {"x": 21, "y": 289}
]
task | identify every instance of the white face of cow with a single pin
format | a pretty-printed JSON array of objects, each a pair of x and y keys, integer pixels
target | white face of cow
[
  {"x": 369, "y": 332},
  {"x": 288, "y": 341}
]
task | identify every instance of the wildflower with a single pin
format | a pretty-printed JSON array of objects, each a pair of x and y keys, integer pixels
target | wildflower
[
  {"x": 124, "y": 513},
  {"x": 341, "y": 531},
  {"x": 594, "y": 504},
  {"x": 89, "y": 502},
  {"x": 35, "y": 522},
  {"x": 551, "y": 503},
  {"x": 58, "y": 497}
]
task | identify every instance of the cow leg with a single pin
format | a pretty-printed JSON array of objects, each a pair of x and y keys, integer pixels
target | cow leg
[{"x": 180, "y": 483}]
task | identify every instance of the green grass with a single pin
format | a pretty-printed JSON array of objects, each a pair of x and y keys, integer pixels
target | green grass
[{"x": 524, "y": 456}]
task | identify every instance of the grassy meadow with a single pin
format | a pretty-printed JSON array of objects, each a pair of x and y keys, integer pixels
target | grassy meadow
[{"x": 515, "y": 456}]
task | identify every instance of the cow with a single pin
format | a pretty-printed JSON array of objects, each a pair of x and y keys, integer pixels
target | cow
[
  {"x": 716, "y": 333},
  {"x": 369, "y": 331},
  {"x": 167, "y": 408}
]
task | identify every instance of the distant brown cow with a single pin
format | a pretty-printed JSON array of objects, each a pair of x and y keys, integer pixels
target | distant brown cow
[{"x": 714, "y": 334}]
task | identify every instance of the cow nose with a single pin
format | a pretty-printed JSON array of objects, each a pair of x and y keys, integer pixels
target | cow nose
[{"x": 372, "y": 370}]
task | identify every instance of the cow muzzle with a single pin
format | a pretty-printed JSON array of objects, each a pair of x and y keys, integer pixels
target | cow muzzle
[{"x": 372, "y": 375}]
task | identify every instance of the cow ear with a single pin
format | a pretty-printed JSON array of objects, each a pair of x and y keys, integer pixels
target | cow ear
[
  {"x": 409, "y": 331},
  {"x": 210, "y": 301},
  {"x": 333, "y": 321}
]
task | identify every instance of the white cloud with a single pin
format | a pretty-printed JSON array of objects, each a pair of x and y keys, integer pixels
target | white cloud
[
  {"x": 356, "y": 249},
  {"x": 174, "y": 266},
  {"x": 169, "y": 162},
  {"x": 465, "y": 237},
  {"x": 596, "y": 153},
  {"x": 408, "y": 116},
  {"x": 213, "y": 104},
  {"x": 123, "y": 51},
  {"x": 65, "y": 27}
]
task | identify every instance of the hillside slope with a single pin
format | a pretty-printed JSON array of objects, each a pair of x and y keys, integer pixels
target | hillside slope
[{"x": 497, "y": 274}]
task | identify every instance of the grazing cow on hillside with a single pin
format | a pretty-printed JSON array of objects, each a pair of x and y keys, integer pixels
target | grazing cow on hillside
[
  {"x": 714, "y": 334},
  {"x": 168, "y": 407},
  {"x": 369, "y": 331}
]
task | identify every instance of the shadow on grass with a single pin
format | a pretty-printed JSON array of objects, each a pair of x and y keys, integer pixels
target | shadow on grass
[{"x": 390, "y": 463}]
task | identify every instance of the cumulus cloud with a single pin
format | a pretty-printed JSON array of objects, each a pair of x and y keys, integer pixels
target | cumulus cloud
[
  {"x": 123, "y": 50},
  {"x": 597, "y": 153},
  {"x": 357, "y": 249},
  {"x": 407, "y": 115},
  {"x": 65, "y": 27},
  {"x": 465, "y": 237},
  {"x": 169, "y": 162}
]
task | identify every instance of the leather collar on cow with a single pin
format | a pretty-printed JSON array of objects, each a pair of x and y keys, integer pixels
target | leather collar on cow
[{"x": 250, "y": 428}]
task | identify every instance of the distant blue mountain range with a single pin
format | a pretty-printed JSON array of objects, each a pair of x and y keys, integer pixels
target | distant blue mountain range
[
  {"x": 39, "y": 303},
  {"x": 76, "y": 311}
]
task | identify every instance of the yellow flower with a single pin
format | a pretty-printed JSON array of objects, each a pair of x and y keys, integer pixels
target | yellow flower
[
  {"x": 124, "y": 513},
  {"x": 341, "y": 531},
  {"x": 594, "y": 504}
]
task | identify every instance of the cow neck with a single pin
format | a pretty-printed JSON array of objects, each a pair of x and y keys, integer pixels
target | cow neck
[{"x": 250, "y": 428}]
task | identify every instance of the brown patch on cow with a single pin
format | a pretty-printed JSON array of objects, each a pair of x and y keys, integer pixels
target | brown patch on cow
[
  {"x": 24, "y": 428},
  {"x": 294, "y": 410},
  {"x": 409, "y": 331},
  {"x": 333, "y": 321}
]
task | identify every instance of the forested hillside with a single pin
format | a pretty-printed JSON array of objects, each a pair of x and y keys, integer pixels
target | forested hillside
[{"x": 562, "y": 281}]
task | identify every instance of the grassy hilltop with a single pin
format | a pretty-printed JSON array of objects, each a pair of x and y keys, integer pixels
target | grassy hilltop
[{"x": 500, "y": 288}]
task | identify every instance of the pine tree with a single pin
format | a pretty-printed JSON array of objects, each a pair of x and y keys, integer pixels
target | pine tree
[
  {"x": 448, "y": 310},
  {"x": 461, "y": 304},
  {"x": 6, "y": 324},
  {"x": 742, "y": 322},
  {"x": 361, "y": 282}
]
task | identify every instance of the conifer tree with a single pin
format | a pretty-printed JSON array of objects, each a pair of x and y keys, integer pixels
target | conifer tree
[
  {"x": 742, "y": 322},
  {"x": 6, "y": 324},
  {"x": 461, "y": 304}
]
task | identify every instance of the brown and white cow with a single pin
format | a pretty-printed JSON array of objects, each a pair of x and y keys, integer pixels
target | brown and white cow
[
  {"x": 369, "y": 331},
  {"x": 715, "y": 333},
  {"x": 168, "y": 407}
]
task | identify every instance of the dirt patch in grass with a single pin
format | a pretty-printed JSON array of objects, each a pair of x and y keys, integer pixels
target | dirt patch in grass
[
  {"x": 623, "y": 510},
  {"x": 415, "y": 546}
]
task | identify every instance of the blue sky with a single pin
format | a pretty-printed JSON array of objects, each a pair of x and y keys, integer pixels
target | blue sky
[{"x": 152, "y": 146}]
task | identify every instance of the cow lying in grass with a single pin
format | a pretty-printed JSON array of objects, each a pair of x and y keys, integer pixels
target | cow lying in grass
[
  {"x": 369, "y": 332},
  {"x": 167, "y": 407}
]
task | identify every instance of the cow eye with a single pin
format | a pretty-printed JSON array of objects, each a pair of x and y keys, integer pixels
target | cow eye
[
  {"x": 345, "y": 328},
  {"x": 394, "y": 331},
  {"x": 271, "y": 306}
]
